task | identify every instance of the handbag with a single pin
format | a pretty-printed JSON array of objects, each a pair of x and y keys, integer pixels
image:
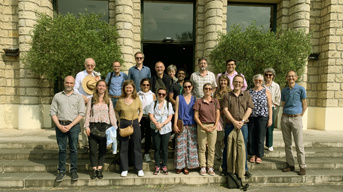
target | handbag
[
  {"x": 99, "y": 129},
  {"x": 127, "y": 131}
]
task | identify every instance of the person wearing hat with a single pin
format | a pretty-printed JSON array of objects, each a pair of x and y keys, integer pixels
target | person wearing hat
[{"x": 80, "y": 88}]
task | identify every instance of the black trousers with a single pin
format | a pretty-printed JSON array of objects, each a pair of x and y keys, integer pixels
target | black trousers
[
  {"x": 135, "y": 140},
  {"x": 97, "y": 159},
  {"x": 146, "y": 133}
]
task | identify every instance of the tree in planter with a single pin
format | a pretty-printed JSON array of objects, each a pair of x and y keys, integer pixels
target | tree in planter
[
  {"x": 256, "y": 49},
  {"x": 61, "y": 44}
]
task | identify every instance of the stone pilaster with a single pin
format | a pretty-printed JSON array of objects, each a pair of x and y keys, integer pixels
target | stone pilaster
[{"x": 125, "y": 16}]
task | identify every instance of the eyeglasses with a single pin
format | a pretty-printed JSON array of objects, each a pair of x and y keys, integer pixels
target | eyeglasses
[
  {"x": 268, "y": 75},
  {"x": 187, "y": 87},
  {"x": 258, "y": 80},
  {"x": 238, "y": 82},
  {"x": 145, "y": 85},
  {"x": 161, "y": 94},
  {"x": 181, "y": 73},
  {"x": 139, "y": 58},
  {"x": 207, "y": 88}
]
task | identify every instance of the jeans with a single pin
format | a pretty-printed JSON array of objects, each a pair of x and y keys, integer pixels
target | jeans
[
  {"x": 114, "y": 102},
  {"x": 161, "y": 147},
  {"x": 257, "y": 131},
  {"x": 228, "y": 129},
  {"x": 62, "y": 138}
]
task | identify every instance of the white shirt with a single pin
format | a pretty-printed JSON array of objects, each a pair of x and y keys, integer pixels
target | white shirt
[
  {"x": 274, "y": 89},
  {"x": 158, "y": 114},
  {"x": 78, "y": 83},
  {"x": 146, "y": 98}
]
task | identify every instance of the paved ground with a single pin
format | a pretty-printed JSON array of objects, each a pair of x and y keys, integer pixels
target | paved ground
[{"x": 209, "y": 188}]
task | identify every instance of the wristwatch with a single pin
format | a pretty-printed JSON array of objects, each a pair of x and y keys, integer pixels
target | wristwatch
[{"x": 243, "y": 120}]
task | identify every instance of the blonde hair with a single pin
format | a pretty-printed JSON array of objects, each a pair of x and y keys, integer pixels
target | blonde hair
[{"x": 96, "y": 93}]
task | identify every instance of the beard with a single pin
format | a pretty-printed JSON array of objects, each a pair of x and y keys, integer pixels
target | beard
[{"x": 68, "y": 88}]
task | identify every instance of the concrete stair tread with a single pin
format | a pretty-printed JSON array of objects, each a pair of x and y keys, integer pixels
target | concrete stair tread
[{"x": 113, "y": 178}]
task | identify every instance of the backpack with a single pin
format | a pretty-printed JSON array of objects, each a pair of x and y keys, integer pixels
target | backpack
[{"x": 234, "y": 182}]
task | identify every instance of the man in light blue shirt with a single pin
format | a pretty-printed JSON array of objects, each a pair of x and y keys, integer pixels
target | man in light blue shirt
[
  {"x": 294, "y": 105},
  {"x": 138, "y": 72},
  {"x": 115, "y": 82}
]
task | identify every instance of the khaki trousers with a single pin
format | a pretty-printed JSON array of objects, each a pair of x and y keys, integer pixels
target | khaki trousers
[
  {"x": 84, "y": 141},
  {"x": 210, "y": 139},
  {"x": 289, "y": 126}
]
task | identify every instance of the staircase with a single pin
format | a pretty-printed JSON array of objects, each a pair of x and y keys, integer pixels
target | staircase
[{"x": 29, "y": 159}]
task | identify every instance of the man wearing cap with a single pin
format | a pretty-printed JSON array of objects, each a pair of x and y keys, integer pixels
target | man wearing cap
[
  {"x": 139, "y": 71},
  {"x": 115, "y": 82},
  {"x": 78, "y": 88},
  {"x": 67, "y": 109}
]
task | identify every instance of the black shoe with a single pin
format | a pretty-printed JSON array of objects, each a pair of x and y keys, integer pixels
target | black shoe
[
  {"x": 247, "y": 175},
  {"x": 223, "y": 173},
  {"x": 99, "y": 173},
  {"x": 74, "y": 176},
  {"x": 93, "y": 173},
  {"x": 288, "y": 169},
  {"x": 60, "y": 177}
]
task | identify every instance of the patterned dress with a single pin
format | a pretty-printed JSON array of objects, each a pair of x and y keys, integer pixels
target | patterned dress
[{"x": 186, "y": 151}]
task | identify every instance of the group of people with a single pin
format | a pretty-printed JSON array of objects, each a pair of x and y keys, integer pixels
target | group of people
[{"x": 209, "y": 115}]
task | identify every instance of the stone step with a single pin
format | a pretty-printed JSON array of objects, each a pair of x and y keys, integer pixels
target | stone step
[
  {"x": 11, "y": 166},
  {"x": 265, "y": 177},
  {"x": 42, "y": 154},
  {"x": 52, "y": 144}
]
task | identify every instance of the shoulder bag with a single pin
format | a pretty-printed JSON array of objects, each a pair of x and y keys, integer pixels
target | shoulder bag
[
  {"x": 179, "y": 122},
  {"x": 127, "y": 131},
  {"x": 98, "y": 129}
]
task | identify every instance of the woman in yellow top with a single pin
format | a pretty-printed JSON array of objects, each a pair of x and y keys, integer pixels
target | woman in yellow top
[{"x": 130, "y": 108}]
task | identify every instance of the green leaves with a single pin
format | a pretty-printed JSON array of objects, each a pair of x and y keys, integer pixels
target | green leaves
[
  {"x": 255, "y": 50},
  {"x": 61, "y": 44}
]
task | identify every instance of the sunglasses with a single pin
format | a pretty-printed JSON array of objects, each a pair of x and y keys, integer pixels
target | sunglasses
[
  {"x": 187, "y": 87},
  {"x": 268, "y": 75},
  {"x": 161, "y": 94},
  {"x": 139, "y": 58},
  {"x": 145, "y": 85},
  {"x": 207, "y": 88}
]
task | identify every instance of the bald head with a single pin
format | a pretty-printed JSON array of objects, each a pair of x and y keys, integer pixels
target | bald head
[
  {"x": 159, "y": 67},
  {"x": 69, "y": 83},
  {"x": 89, "y": 65}
]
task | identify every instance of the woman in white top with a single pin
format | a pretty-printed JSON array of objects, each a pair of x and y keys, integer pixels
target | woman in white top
[
  {"x": 274, "y": 88},
  {"x": 147, "y": 97},
  {"x": 161, "y": 113}
]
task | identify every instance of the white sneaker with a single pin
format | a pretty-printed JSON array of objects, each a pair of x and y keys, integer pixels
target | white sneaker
[
  {"x": 143, "y": 141},
  {"x": 123, "y": 174},
  {"x": 140, "y": 173},
  {"x": 147, "y": 157},
  {"x": 271, "y": 148}
]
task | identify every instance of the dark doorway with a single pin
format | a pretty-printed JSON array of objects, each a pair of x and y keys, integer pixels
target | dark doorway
[{"x": 180, "y": 55}]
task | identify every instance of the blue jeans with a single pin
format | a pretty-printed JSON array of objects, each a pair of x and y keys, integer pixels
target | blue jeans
[
  {"x": 228, "y": 129},
  {"x": 114, "y": 102},
  {"x": 62, "y": 138}
]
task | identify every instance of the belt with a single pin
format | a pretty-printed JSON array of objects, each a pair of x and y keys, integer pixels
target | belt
[
  {"x": 116, "y": 97},
  {"x": 65, "y": 122},
  {"x": 287, "y": 115}
]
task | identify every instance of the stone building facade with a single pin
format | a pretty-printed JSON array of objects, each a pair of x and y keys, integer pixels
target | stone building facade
[{"x": 25, "y": 98}]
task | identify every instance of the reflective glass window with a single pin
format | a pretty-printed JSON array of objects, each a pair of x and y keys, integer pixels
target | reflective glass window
[
  {"x": 164, "y": 19},
  {"x": 245, "y": 14},
  {"x": 80, "y": 6}
]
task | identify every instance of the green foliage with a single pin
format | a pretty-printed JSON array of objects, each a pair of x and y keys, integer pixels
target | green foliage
[
  {"x": 256, "y": 49},
  {"x": 61, "y": 44}
]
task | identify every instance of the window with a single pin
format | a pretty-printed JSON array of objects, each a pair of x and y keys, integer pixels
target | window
[
  {"x": 168, "y": 19},
  {"x": 80, "y": 6},
  {"x": 244, "y": 14}
]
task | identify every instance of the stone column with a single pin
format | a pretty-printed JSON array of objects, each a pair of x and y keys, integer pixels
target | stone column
[
  {"x": 32, "y": 113},
  {"x": 123, "y": 19}
]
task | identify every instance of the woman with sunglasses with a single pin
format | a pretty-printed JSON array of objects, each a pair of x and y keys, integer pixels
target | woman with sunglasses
[
  {"x": 206, "y": 114},
  {"x": 147, "y": 97},
  {"x": 222, "y": 89},
  {"x": 99, "y": 114},
  {"x": 186, "y": 152},
  {"x": 260, "y": 118},
  {"x": 129, "y": 106},
  {"x": 160, "y": 114},
  {"x": 269, "y": 76}
]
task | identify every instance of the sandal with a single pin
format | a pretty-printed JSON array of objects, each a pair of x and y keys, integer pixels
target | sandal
[
  {"x": 185, "y": 171},
  {"x": 258, "y": 160},
  {"x": 252, "y": 159},
  {"x": 157, "y": 170},
  {"x": 178, "y": 171},
  {"x": 165, "y": 170}
]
